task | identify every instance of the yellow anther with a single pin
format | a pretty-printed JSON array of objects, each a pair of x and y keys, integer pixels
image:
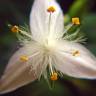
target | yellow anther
[
  {"x": 76, "y": 21},
  {"x": 51, "y": 9},
  {"x": 24, "y": 58},
  {"x": 15, "y": 29},
  {"x": 54, "y": 76},
  {"x": 76, "y": 53}
]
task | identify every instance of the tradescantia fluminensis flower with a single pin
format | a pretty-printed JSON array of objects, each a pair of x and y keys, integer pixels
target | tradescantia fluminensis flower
[{"x": 47, "y": 48}]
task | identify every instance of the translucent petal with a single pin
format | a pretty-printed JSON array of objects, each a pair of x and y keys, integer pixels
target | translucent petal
[
  {"x": 42, "y": 24},
  {"x": 81, "y": 66},
  {"x": 19, "y": 73}
]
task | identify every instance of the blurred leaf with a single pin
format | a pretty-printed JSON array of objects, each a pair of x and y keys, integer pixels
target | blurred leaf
[
  {"x": 78, "y": 8},
  {"x": 89, "y": 27}
]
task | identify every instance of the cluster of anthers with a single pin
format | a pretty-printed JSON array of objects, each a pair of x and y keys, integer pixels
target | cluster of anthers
[{"x": 50, "y": 10}]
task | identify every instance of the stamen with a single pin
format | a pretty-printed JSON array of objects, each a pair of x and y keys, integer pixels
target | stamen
[
  {"x": 15, "y": 29},
  {"x": 24, "y": 58},
  {"x": 54, "y": 76},
  {"x": 76, "y": 21},
  {"x": 51, "y": 9},
  {"x": 76, "y": 53}
]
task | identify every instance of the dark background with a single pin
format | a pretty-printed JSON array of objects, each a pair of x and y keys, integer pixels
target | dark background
[{"x": 16, "y": 12}]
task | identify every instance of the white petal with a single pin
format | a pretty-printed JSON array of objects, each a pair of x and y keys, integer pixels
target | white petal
[
  {"x": 18, "y": 73},
  {"x": 83, "y": 66},
  {"x": 39, "y": 20}
]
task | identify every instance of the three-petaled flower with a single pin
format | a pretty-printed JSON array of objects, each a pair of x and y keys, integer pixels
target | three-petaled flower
[{"x": 47, "y": 48}]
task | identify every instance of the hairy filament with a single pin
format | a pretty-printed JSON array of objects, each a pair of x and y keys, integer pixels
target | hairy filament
[
  {"x": 34, "y": 54},
  {"x": 50, "y": 65},
  {"x": 68, "y": 27},
  {"x": 68, "y": 37},
  {"x": 24, "y": 33}
]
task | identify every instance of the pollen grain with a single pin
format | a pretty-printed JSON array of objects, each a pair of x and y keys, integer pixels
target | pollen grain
[
  {"x": 24, "y": 58},
  {"x": 76, "y": 53},
  {"x": 51, "y": 9},
  {"x": 76, "y": 21},
  {"x": 15, "y": 29},
  {"x": 54, "y": 76}
]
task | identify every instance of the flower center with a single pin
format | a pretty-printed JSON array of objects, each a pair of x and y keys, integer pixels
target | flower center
[{"x": 49, "y": 45}]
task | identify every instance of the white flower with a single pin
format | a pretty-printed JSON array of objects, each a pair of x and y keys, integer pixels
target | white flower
[{"x": 48, "y": 46}]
